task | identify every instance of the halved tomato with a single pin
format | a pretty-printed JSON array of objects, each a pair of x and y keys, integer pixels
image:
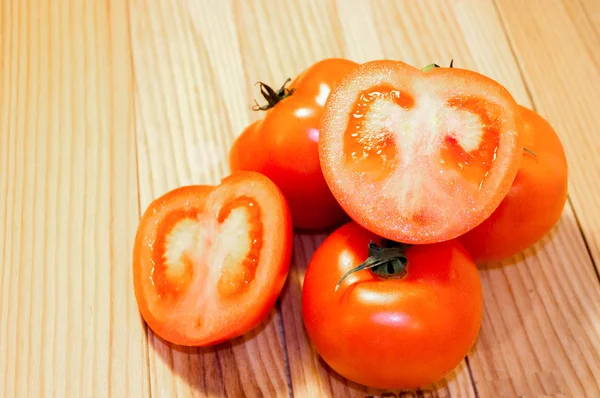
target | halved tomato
[
  {"x": 419, "y": 156},
  {"x": 209, "y": 262}
]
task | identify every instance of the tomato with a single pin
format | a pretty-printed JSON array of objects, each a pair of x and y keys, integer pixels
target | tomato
[
  {"x": 419, "y": 156},
  {"x": 392, "y": 333},
  {"x": 209, "y": 262},
  {"x": 283, "y": 145},
  {"x": 535, "y": 201}
]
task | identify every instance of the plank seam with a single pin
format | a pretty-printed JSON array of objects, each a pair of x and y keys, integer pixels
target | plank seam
[
  {"x": 513, "y": 52},
  {"x": 471, "y": 377},
  {"x": 592, "y": 26},
  {"x": 588, "y": 17},
  {"x": 286, "y": 360},
  {"x": 585, "y": 241},
  {"x": 134, "y": 123}
]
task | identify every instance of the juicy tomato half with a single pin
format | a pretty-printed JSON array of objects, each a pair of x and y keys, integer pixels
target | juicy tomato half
[
  {"x": 209, "y": 262},
  {"x": 419, "y": 156},
  {"x": 283, "y": 145},
  {"x": 535, "y": 201},
  {"x": 387, "y": 329}
]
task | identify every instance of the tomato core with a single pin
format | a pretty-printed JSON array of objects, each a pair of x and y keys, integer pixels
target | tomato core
[
  {"x": 183, "y": 240},
  {"x": 468, "y": 129}
]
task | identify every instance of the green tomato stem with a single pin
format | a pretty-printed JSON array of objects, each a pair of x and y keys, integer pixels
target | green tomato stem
[
  {"x": 387, "y": 260},
  {"x": 271, "y": 96}
]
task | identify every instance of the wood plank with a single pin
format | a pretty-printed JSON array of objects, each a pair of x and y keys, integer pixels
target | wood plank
[
  {"x": 592, "y": 10},
  {"x": 68, "y": 213},
  {"x": 585, "y": 24},
  {"x": 189, "y": 76}
]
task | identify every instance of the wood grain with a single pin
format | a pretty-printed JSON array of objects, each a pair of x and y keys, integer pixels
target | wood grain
[
  {"x": 69, "y": 325},
  {"x": 186, "y": 115},
  {"x": 106, "y": 104}
]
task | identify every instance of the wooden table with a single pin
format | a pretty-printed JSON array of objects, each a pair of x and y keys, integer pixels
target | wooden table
[{"x": 106, "y": 104}]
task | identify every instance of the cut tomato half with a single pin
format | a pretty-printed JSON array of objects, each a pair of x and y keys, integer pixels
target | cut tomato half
[
  {"x": 210, "y": 262},
  {"x": 419, "y": 156}
]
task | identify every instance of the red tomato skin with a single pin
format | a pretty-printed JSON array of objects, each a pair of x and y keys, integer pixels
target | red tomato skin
[
  {"x": 534, "y": 202},
  {"x": 391, "y": 333},
  {"x": 283, "y": 146}
]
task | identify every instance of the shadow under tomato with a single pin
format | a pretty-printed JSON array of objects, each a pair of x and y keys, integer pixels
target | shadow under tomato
[
  {"x": 215, "y": 370},
  {"x": 356, "y": 389},
  {"x": 522, "y": 256}
]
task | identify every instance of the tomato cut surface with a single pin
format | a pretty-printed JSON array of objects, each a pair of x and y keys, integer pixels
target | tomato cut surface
[
  {"x": 416, "y": 156},
  {"x": 209, "y": 262}
]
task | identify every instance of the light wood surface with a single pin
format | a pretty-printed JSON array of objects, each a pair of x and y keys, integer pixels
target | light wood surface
[{"x": 105, "y": 104}]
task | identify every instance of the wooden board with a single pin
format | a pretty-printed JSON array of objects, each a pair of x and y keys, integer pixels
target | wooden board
[
  {"x": 106, "y": 104},
  {"x": 69, "y": 323}
]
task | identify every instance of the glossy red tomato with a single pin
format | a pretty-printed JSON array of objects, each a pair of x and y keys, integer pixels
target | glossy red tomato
[
  {"x": 419, "y": 156},
  {"x": 209, "y": 262},
  {"x": 283, "y": 145},
  {"x": 535, "y": 201},
  {"x": 383, "y": 332}
]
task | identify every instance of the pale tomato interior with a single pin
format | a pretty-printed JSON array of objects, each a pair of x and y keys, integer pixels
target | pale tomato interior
[
  {"x": 388, "y": 129},
  {"x": 204, "y": 260},
  {"x": 420, "y": 150}
]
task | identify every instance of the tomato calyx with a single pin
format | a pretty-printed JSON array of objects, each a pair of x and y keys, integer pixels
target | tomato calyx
[
  {"x": 271, "y": 96},
  {"x": 387, "y": 260},
  {"x": 434, "y": 65}
]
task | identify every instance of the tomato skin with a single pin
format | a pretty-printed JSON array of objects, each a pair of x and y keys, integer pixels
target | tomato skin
[
  {"x": 189, "y": 309},
  {"x": 535, "y": 201},
  {"x": 416, "y": 172},
  {"x": 391, "y": 333},
  {"x": 283, "y": 146}
]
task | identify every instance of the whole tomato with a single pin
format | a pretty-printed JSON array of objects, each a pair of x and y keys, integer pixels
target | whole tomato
[
  {"x": 404, "y": 323},
  {"x": 283, "y": 145},
  {"x": 535, "y": 200}
]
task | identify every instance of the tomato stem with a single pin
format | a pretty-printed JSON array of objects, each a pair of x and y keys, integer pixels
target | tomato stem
[
  {"x": 431, "y": 66},
  {"x": 387, "y": 260},
  {"x": 271, "y": 96}
]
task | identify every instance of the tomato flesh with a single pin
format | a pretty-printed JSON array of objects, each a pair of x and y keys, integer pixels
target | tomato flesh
[
  {"x": 368, "y": 151},
  {"x": 209, "y": 262},
  {"x": 419, "y": 157},
  {"x": 239, "y": 265},
  {"x": 472, "y": 150}
]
